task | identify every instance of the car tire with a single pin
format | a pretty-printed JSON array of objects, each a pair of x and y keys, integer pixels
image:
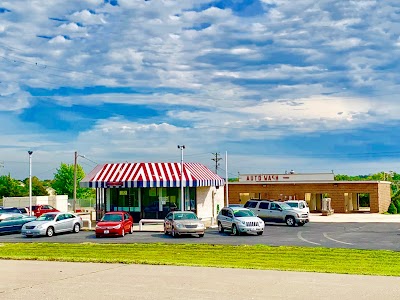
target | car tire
[
  {"x": 98, "y": 236},
  {"x": 201, "y": 235},
  {"x": 260, "y": 232},
  {"x": 50, "y": 231},
  {"x": 173, "y": 233},
  {"x": 123, "y": 232},
  {"x": 220, "y": 227},
  {"x": 165, "y": 230},
  {"x": 131, "y": 230},
  {"x": 76, "y": 228},
  {"x": 235, "y": 231},
  {"x": 290, "y": 221},
  {"x": 301, "y": 224}
]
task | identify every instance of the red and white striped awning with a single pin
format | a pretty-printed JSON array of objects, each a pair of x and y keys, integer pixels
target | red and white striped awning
[{"x": 150, "y": 175}]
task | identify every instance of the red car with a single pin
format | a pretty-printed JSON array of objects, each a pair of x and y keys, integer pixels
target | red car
[
  {"x": 39, "y": 210},
  {"x": 114, "y": 223}
]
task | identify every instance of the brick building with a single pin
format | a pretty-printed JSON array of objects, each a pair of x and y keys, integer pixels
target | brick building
[{"x": 346, "y": 196}]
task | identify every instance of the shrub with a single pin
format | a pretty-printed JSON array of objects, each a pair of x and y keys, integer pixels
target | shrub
[
  {"x": 392, "y": 209},
  {"x": 397, "y": 204}
]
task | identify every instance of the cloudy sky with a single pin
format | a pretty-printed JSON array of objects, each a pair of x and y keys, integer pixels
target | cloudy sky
[{"x": 306, "y": 85}]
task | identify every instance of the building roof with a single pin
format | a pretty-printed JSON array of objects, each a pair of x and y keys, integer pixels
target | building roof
[{"x": 150, "y": 175}]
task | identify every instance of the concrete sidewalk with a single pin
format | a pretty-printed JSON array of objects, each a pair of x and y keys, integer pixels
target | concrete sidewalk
[{"x": 61, "y": 280}]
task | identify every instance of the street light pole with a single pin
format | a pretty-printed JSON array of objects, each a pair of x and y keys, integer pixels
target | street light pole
[
  {"x": 75, "y": 167},
  {"x": 182, "y": 192},
  {"x": 30, "y": 182}
]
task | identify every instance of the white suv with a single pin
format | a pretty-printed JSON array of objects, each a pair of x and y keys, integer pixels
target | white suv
[
  {"x": 299, "y": 205},
  {"x": 239, "y": 220}
]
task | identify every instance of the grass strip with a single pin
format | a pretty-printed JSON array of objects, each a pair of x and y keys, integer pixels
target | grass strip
[{"x": 304, "y": 259}]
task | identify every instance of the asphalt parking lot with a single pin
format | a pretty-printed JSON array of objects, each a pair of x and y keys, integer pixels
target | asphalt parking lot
[{"x": 332, "y": 235}]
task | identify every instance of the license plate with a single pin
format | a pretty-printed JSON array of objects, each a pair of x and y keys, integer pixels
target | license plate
[
  {"x": 106, "y": 232},
  {"x": 28, "y": 231}
]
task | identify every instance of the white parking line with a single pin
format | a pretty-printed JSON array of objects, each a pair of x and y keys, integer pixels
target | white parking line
[
  {"x": 329, "y": 238},
  {"x": 304, "y": 240}
]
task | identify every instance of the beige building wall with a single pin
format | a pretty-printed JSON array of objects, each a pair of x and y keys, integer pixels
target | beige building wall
[
  {"x": 59, "y": 202},
  {"x": 379, "y": 193},
  {"x": 208, "y": 199}
]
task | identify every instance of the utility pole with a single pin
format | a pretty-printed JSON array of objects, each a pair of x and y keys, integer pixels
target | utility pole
[
  {"x": 182, "y": 147},
  {"x": 75, "y": 167},
  {"x": 216, "y": 159}
]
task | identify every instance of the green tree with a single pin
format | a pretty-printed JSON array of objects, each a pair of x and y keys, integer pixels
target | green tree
[
  {"x": 392, "y": 209},
  {"x": 37, "y": 187},
  {"x": 10, "y": 187},
  {"x": 63, "y": 182}
]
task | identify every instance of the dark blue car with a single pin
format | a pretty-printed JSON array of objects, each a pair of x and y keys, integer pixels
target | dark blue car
[{"x": 10, "y": 222}]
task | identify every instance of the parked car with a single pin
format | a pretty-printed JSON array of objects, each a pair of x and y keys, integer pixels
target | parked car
[
  {"x": 178, "y": 223},
  {"x": 280, "y": 212},
  {"x": 235, "y": 205},
  {"x": 299, "y": 205},
  {"x": 239, "y": 220},
  {"x": 39, "y": 210},
  {"x": 23, "y": 210},
  {"x": 13, "y": 222},
  {"x": 115, "y": 223},
  {"x": 51, "y": 223},
  {"x": 9, "y": 210}
]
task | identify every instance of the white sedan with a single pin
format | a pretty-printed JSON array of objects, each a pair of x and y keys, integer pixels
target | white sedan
[{"x": 51, "y": 223}]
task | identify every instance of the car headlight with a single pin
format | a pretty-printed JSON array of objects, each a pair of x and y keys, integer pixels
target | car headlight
[
  {"x": 262, "y": 224},
  {"x": 117, "y": 227},
  {"x": 39, "y": 226},
  {"x": 240, "y": 222},
  {"x": 201, "y": 225},
  {"x": 179, "y": 225}
]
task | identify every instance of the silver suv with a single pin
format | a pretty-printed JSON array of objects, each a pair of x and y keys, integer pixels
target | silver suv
[
  {"x": 239, "y": 220},
  {"x": 280, "y": 212}
]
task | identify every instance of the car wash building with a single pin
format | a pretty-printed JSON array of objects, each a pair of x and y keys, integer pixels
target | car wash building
[
  {"x": 345, "y": 196},
  {"x": 151, "y": 190}
]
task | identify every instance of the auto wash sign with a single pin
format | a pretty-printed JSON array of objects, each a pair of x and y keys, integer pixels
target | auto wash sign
[
  {"x": 292, "y": 177},
  {"x": 259, "y": 177}
]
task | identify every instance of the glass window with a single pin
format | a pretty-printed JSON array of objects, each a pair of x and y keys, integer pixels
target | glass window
[
  {"x": 251, "y": 204},
  {"x": 263, "y": 205}
]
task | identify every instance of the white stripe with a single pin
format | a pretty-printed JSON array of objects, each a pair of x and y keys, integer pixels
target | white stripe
[
  {"x": 329, "y": 238},
  {"x": 304, "y": 240}
]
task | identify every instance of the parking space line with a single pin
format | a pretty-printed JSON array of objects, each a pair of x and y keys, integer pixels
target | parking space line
[
  {"x": 329, "y": 238},
  {"x": 304, "y": 240}
]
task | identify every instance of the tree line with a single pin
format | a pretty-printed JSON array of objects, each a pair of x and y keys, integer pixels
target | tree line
[{"x": 62, "y": 183}]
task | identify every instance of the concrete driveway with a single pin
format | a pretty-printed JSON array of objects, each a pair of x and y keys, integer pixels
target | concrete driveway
[{"x": 59, "y": 280}]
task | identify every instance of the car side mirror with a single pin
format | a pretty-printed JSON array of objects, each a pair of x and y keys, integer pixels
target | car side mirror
[
  {"x": 280, "y": 209},
  {"x": 200, "y": 219}
]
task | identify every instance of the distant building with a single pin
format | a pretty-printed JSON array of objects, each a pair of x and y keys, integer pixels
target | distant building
[{"x": 346, "y": 196}]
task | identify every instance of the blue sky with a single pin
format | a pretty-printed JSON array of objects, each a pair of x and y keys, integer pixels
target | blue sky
[{"x": 306, "y": 85}]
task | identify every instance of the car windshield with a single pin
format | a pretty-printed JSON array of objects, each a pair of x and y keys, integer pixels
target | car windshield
[
  {"x": 47, "y": 217},
  {"x": 243, "y": 213},
  {"x": 112, "y": 218},
  {"x": 185, "y": 216},
  {"x": 292, "y": 204},
  {"x": 285, "y": 206}
]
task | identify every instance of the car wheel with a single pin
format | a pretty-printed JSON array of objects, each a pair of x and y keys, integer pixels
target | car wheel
[
  {"x": 173, "y": 233},
  {"x": 301, "y": 224},
  {"x": 165, "y": 230},
  {"x": 97, "y": 236},
  {"x": 201, "y": 235},
  {"x": 220, "y": 228},
  {"x": 235, "y": 231},
  {"x": 260, "y": 232},
  {"x": 50, "y": 231},
  {"x": 123, "y": 232},
  {"x": 77, "y": 227},
  {"x": 131, "y": 230},
  {"x": 290, "y": 221}
]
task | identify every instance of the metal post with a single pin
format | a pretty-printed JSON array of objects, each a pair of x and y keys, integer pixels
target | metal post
[
  {"x": 226, "y": 177},
  {"x": 182, "y": 191},
  {"x": 30, "y": 182},
  {"x": 75, "y": 167}
]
